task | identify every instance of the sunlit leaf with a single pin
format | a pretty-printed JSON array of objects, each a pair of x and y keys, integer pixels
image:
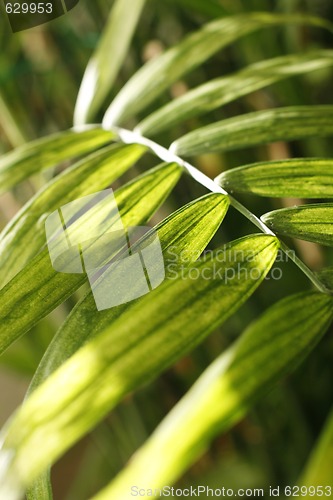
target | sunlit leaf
[
  {"x": 220, "y": 91},
  {"x": 24, "y": 236},
  {"x": 105, "y": 63},
  {"x": 38, "y": 288},
  {"x": 306, "y": 222},
  {"x": 301, "y": 177},
  {"x": 183, "y": 237},
  {"x": 157, "y": 75},
  {"x": 139, "y": 344},
  {"x": 271, "y": 347}
]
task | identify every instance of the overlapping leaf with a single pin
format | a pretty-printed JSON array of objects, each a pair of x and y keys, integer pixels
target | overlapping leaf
[
  {"x": 157, "y": 75},
  {"x": 147, "y": 338},
  {"x": 38, "y": 155},
  {"x": 183, "y": 237},
  {"x": 306, "y": 222},
  {"x": 301, "y": 177},
  {"x": 268, "y": 349},
  {"x": 223, "y": 90},
  {"x": 38, "y": 288},
  {"x": 25, "y": 234},
  {"x": 104, "y": 65},
  {"x": 163, "y": 326}
]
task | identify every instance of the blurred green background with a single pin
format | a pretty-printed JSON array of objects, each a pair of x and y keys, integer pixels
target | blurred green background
[{"x": 40, "y": 74}]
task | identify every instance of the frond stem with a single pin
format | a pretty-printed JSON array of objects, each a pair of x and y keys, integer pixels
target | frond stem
[{"x": 128, "y": 137}]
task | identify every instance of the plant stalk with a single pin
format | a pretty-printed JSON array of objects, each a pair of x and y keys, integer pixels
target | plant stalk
[{"x": 128, "y": 137}]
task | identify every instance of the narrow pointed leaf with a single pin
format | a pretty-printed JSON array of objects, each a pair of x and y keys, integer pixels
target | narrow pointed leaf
[
  {"x": 304, "y": 177},
  {"x": 271, "y": 347},
  {"x": 260, "y": 127},
  {"x": 38, "y": 288},
  {"x": 24, "y": 236},
  {"x": 183, "y": 237},
  {"x": 38, "y": 155},
  {"x": 105, "y": 63},
  {"x": 318, "y": 471},
  {"x": 223, "y": 90},
  {"x": 157, "y": 75},
  {"x": 134, "y": 348},
  {"x": 306, "y": 222}
]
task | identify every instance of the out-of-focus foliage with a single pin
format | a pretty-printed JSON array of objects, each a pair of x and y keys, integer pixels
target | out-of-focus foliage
[{"x": 243, "y": 84}]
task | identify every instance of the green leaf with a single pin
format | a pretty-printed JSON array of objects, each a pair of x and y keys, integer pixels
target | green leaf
[
  {"x": 38, "y": 288},
  {"x": 303, "y": 177},
  {"x": 106, "y": 62},
  {"x": 42, "y": 490},
  {"x": 318, "y": 471},
  {"x": 260, "y": 127},
  {"x": 138, "y": 345},
  {"x": 24, "y": 236},
  {"x": 183, "y": 237},
  {"x": 38, "y": 155},
  {"x": 157, "y": 75},
  {"x": 306, "y": 222},
  {"x": 223, "y": 90},
  {"x": 271, "y": 347}
]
